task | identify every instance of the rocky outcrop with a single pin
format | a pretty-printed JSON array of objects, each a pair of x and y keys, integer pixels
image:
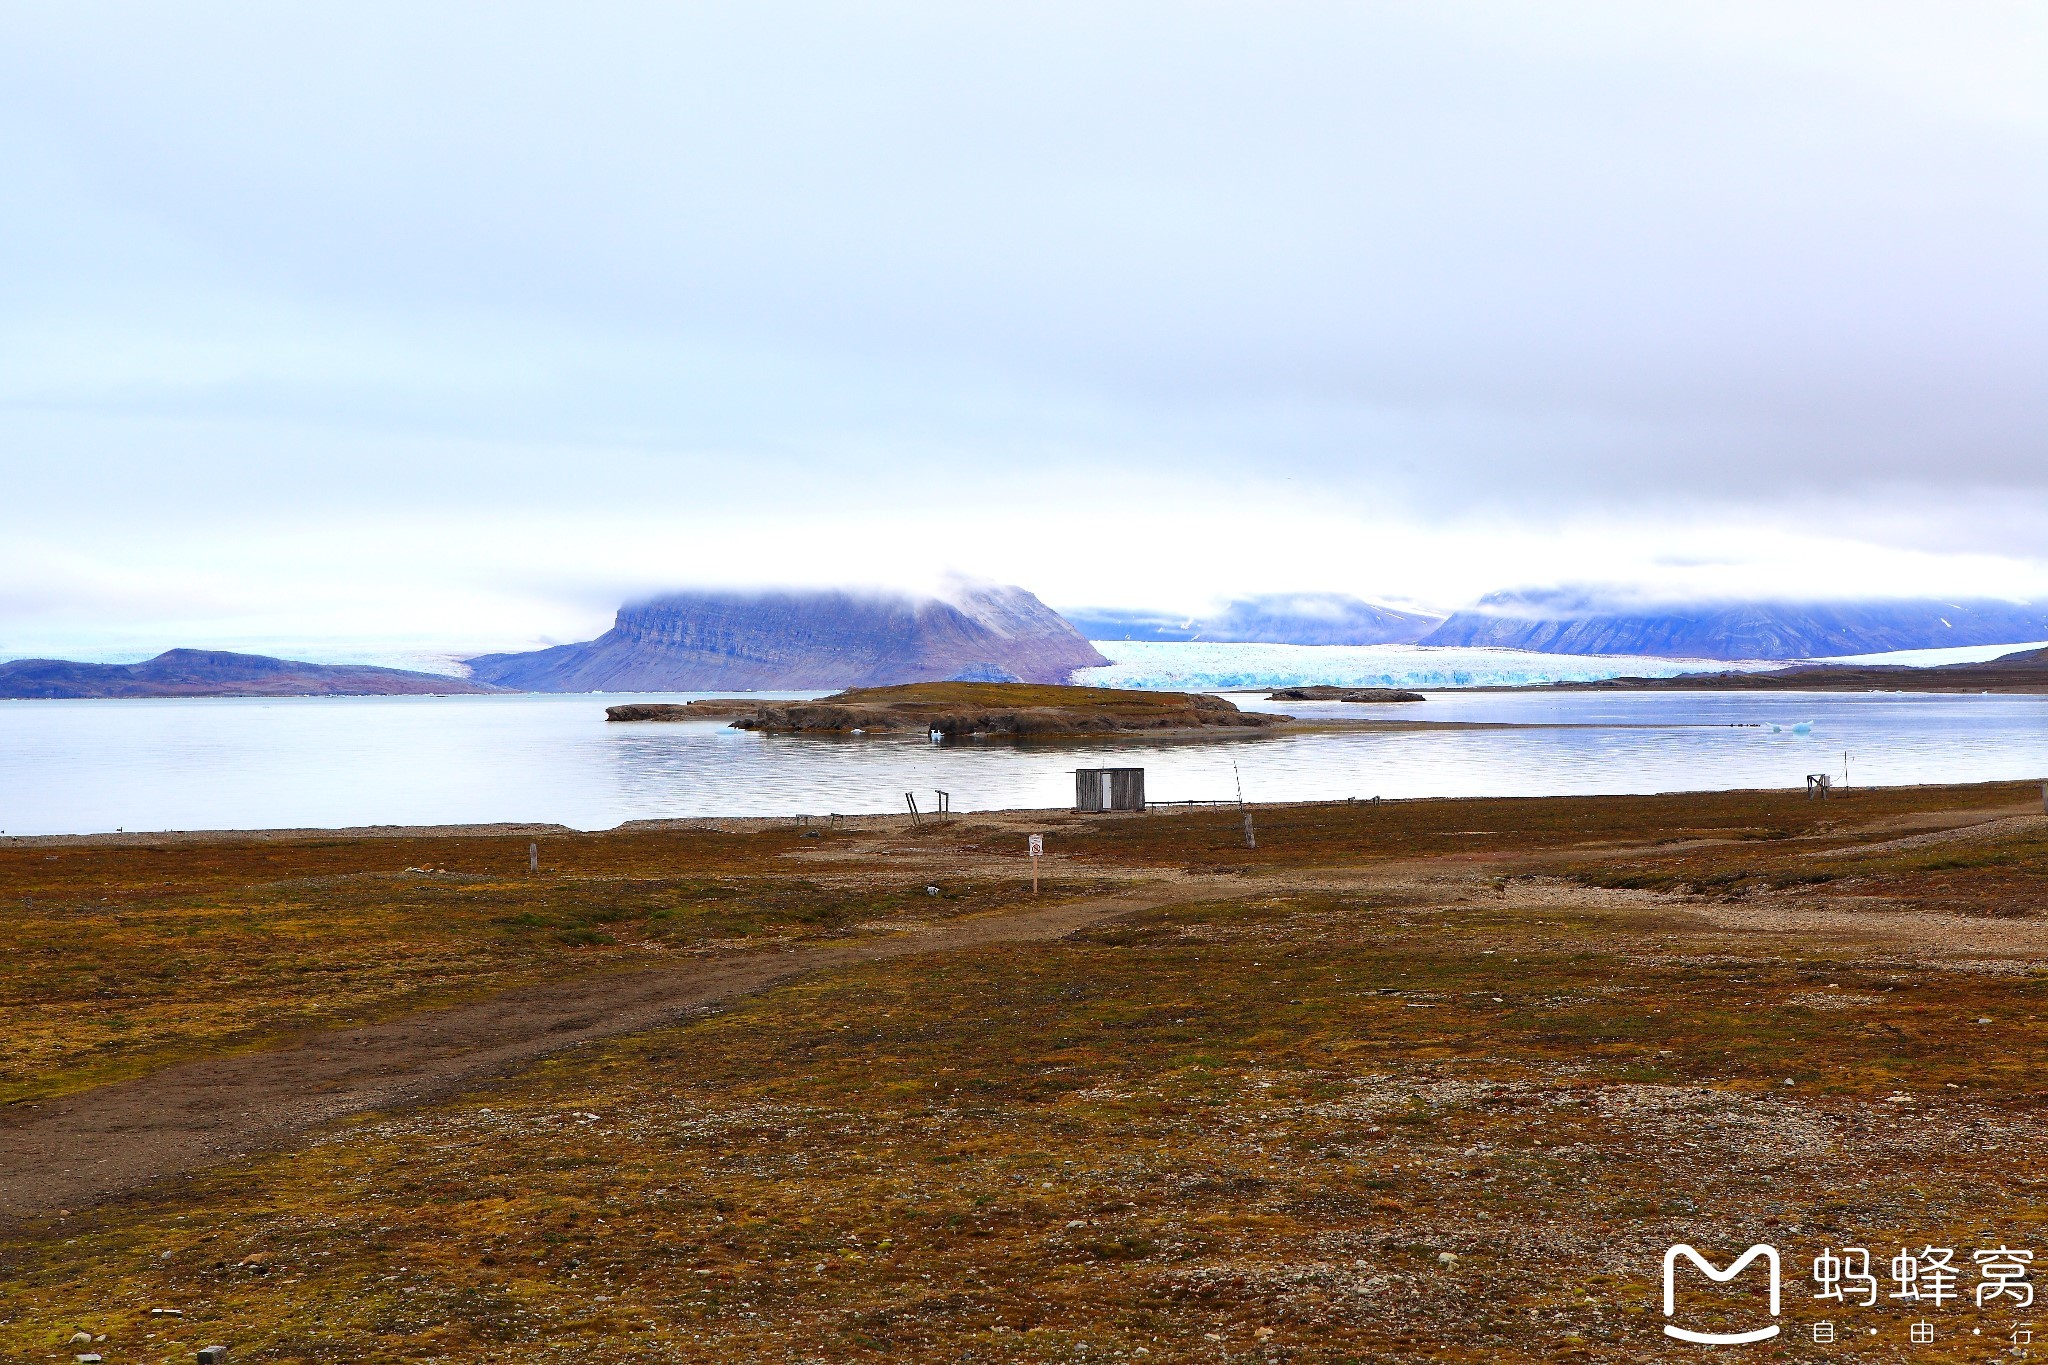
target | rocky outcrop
[
  {"x": 962, "y": 710},
  {"x": 709, "y": 709},
  {"x": 1359, "y": 694},
  {"x": 216, "y": 673},
  {"x": 802, "y": 640}
]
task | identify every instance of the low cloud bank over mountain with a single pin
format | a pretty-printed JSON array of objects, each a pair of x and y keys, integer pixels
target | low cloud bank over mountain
[
  {"x": 798, "y": 639},
  {"x": 1590, "y": 621},
  {"x": 1570, "y": 623},
  {"x": 1303, "y": 618}
]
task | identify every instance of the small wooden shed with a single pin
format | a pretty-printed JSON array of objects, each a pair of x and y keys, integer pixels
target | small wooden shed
[{"x": 1100, "y": 789}]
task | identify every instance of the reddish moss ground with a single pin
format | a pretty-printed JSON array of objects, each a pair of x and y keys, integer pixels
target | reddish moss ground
[
  {"x": 1250, "y": 1127},
  {"x": 125, "y": 957}
]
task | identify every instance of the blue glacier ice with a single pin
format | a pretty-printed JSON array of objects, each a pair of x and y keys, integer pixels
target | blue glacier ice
[{"x": 1205, "y": 667}]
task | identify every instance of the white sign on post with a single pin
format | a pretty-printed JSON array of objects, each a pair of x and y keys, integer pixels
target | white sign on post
[{"x": 1037, "y": 845}]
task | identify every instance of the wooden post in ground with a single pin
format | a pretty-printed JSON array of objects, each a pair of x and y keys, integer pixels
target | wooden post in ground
[
  {"x": 1037, "y": 847},
  {"x": 532, "y": 859},
  {"x": 1250, "y": 841}
]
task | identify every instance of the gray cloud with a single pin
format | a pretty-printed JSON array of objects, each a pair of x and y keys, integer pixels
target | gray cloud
[{"x": 1410, "y": 262}]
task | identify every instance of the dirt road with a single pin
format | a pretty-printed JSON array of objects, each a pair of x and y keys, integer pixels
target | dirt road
[{"x": 67, "y": 1153}]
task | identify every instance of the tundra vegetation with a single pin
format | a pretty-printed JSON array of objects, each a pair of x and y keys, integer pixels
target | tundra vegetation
[
  {"x": 1432, "y": 1080},
  {"x": 964, "y": 710}
]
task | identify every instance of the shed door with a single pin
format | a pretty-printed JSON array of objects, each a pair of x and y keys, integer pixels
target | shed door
[{"x": 1108, "y": 799}]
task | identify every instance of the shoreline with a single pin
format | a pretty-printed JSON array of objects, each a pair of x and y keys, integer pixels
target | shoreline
[{"x": 887, "y": 821}]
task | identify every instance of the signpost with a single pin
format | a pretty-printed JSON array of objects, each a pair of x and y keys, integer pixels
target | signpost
[{"x": 1037, "y": 847}]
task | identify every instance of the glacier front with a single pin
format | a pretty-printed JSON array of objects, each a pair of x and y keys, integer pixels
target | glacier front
[{"x": 1197, "y": 666}]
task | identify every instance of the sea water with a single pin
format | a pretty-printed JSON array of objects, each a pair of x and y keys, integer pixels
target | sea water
[{"x": 205, "y": 763}]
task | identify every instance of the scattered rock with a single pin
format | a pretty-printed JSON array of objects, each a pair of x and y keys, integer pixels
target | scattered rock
[
  {"x": 1360, "y": 694},
  {"x": 212, "y": 1355}
]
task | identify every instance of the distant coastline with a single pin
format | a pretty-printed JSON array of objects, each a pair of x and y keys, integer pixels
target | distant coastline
[
  {"x": 218, "y": 673},
  {"x": 1154, "y": 666},
  {"x": 2024, "y": 672}
]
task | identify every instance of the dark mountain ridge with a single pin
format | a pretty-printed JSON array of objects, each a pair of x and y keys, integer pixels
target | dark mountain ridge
[
  {"x": 217, "y": 673},
  {"x": 2026, "y": 671},
  {"x": 798, "y": 640}
]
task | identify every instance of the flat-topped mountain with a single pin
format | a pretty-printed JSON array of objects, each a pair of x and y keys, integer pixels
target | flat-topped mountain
[
  {"x": 1568, "y": 623},
  {"x": 793, "y": 639},
  {"x": 217, "y": 673}
]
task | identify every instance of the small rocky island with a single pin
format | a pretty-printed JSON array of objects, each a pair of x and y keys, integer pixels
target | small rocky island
[
  {"x": 957, "y": 710},
  {"x": 1362, "y": 694}
]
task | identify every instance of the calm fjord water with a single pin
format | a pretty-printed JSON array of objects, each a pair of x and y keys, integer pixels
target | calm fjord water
[{"x": 88, "y": 766}]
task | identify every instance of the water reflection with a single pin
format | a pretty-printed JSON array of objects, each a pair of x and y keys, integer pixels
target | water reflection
[{"x": 326, "y": 762}]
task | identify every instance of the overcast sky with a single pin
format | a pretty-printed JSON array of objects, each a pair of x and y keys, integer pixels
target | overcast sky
[{"x": 459, "y": 323}]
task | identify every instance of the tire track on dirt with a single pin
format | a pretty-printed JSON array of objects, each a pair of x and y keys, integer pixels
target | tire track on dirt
[{"x": 78, "y": 1150}]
